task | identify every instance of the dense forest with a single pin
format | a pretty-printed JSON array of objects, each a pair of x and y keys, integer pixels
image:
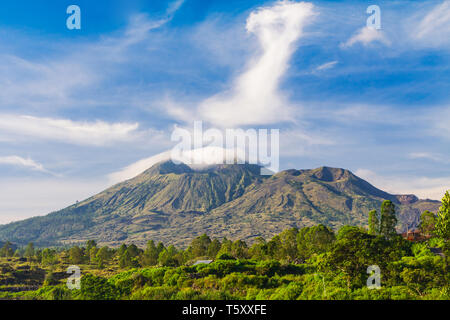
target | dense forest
[{"x": 308, "y": 263}]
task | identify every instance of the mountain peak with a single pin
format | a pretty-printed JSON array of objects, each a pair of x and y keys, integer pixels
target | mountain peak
[
  {"x": 251, "y": 168},
  {"x": 407, "y": 198},
  {"x": 326, "y": 174},
  {"x": 168, "y": 166},
  {"x": 329, "y": 174}
]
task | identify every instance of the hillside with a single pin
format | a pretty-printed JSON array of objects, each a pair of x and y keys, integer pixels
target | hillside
[{"x": 173, "y": 203}]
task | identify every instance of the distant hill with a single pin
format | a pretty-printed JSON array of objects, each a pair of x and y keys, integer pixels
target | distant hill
[{"x": 174, "y": 203}]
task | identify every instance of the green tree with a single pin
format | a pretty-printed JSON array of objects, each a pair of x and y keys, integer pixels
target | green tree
[
  {"x": 103, "y": 255},
  {"x": 199, "y": 246},
  {"x": 93, "y": 255},
  {"x": 7, "y": 250},
  {"x": 76, "y": 255},
  {"x": 129, "y": 257},
  {"x": 48, "y": 257},
  {"x": 274, "y": 248},
  {"x": 314, "y": 240},
  {"x": 121, "y": 249},
  {"x": 29, "y": 251},
  {"x": 288, "y": 239},
  {"x": 388, "y": 220},
  {"x": 259, "y": 250},
  {"x": 225, "y": 248},
  {"x": 89, "y": 245},
  {"x": 160, "y": 247},
  {"x": 134, "y": 250},
  {"x": 239, "y": 249},
  {"x": 214, "y": 248},
  {"x": 443, "y": 218},
  {"x": 427, "y": 222},
  {"x": 150, "y": 255},
  {"x": 168, "y": 257},
  {"x": 374, "y": 223}
]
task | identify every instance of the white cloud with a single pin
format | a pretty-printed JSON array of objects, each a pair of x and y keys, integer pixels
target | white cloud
[
  {"x": 68, "y": 131},
  {"x": 114, "y": 48},
  {"x": 254, "y": 97},
  {"x": 366, "y": 35},
  {"x": 293, "y": 142},
  {"x": 426, "y": 155},
  {"x": 326, "y": 66},
  {"x": 138, "y": 167},
  {"x": 22, "y": 162},
  {"x": 36, "y": 84},
  {"x": 195, "y": 158},
  {"x": 174, "y": 7},
  {"x": 434, "y": 28},
  {"x": 423, "y": 187}
]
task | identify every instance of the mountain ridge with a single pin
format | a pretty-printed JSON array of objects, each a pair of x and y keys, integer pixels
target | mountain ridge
[{"x": 174, "y": 203}]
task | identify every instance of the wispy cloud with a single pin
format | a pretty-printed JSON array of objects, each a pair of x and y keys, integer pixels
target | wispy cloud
[
  {"x": 34, "y": 85},
  {"x": 137, "y": 31},
  {"x": 365, "y": 36},
  {"x": 77, "y": 74},
  {"x": 137, "y": 167},
  {"x": 63, "y": 130},
  {"x": 327, "y": 65},
  {"x": 427, "y": 156},
  {"x": 174, "y": 7},
  {"x": 434, "y": 28},
  {"x": 254, "y": 96},
  {"x": 22, "y": 162}
]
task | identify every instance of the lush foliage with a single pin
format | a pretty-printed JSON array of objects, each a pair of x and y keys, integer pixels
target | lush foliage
[{"x": 310, "y": 263}]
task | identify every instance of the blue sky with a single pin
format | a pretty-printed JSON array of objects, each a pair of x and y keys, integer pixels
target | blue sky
[{"x": 80, "y": 109}]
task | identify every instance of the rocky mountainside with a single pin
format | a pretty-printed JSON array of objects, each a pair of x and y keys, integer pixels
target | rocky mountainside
[{"x": 174, "y": 203}]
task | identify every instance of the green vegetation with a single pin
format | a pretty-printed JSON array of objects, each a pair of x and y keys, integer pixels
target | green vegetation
[
  {"x": 443, "y": 218},
  {"x": 383, "y": 224},
  {"x": 427, "y": 223},
  {"x": 310, "y": 263}
]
